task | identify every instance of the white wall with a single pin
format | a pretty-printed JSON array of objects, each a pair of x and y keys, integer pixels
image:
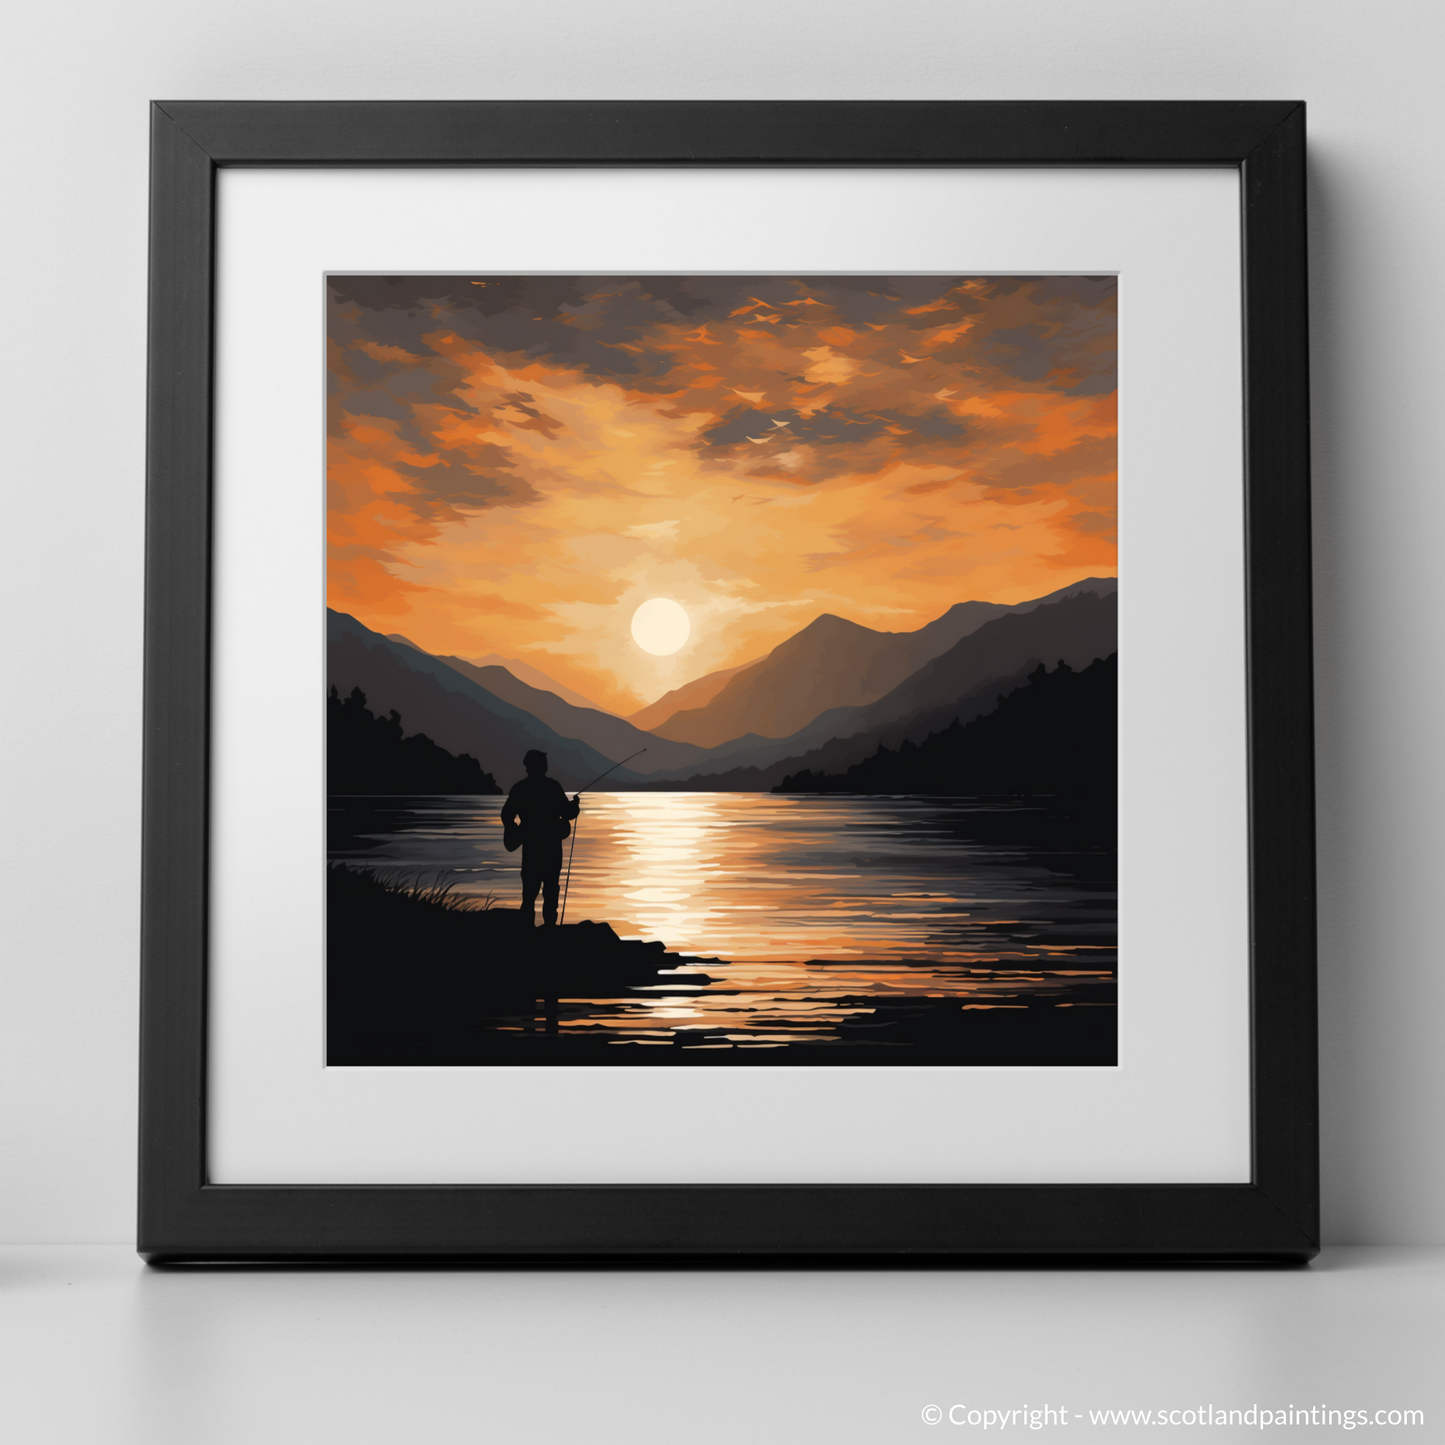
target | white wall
[{"x": 77, "y": 75}]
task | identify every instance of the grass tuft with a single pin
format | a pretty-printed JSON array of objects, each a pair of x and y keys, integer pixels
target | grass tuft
[{"x": 431, "y": 889}]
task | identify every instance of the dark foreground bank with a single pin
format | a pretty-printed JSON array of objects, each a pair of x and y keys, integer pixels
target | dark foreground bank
[{"x": 416, "y": 976}]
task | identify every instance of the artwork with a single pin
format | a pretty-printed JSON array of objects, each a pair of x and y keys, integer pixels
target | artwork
[
  {"x": 488, "y": 504},
  {"x": 721, "y": 670}
]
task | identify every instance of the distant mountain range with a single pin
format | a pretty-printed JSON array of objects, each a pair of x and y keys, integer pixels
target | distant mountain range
[
  {"x": 454, "y": 711},
  {"x": 695, "y": 694},
  {"x": 834, "y": 663},
  {"x": 614, "y": 737},
  {"x": 823, "y": 700},
  {"x": 522, "y": 671},
  {"x": 535, "y": 677},
  {"x": 964, "y": 683}
]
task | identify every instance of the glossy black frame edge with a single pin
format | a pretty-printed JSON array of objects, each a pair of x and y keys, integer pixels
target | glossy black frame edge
[{"x": 183, "y": 1218}]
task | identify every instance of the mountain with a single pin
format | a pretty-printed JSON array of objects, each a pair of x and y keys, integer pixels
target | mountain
[
  {"x": 489, "y": 713},
  {"x": 523, "y": 671},
  {"x": 835, "y": 663},
  {"x": 963, "y": 682},
  {"x": 834, "y": 755},
  {"x": 695, "y": 694},
  {"x": 1056, "y": 734},
  {"x": 535, "y": 677},
  {"x": 613, "y": 737},
  {"x": 1077, "y": 629},
  {"x": 452, "y": 710}
]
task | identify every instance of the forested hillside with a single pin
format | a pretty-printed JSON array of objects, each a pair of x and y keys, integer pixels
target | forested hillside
[
  {"x": 366, "y": 754},
  {"x": 1056, "y": 734}
]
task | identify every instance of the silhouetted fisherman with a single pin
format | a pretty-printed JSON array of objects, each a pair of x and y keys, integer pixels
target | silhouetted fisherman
[{"x": 537, "y": 817}]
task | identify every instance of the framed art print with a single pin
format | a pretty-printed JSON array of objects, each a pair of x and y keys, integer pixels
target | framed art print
[{"x": 728, "y": 681}]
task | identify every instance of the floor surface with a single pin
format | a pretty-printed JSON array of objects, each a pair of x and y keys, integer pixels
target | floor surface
[{"x": 96, "y": 1348}]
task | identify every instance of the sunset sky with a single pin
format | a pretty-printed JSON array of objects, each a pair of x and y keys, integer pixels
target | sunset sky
[{"x": 515, "y": 464}]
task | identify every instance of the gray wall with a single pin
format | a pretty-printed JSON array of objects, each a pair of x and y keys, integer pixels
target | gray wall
[{"x": 77, "y": 76}]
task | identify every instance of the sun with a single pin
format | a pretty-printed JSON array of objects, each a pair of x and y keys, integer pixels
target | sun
[{"x": 660, "y": 626}]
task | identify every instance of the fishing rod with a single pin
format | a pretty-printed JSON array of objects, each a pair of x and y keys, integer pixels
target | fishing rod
[
  {"x": 612, "y": 769},
  {"x": 572, "y": 847}
]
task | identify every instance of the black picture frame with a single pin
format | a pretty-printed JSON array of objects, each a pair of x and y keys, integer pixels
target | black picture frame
[{"x": 184, "y": 1217}]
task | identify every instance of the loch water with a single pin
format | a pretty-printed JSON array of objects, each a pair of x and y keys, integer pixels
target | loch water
[{"x": 799, "y": 904}]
